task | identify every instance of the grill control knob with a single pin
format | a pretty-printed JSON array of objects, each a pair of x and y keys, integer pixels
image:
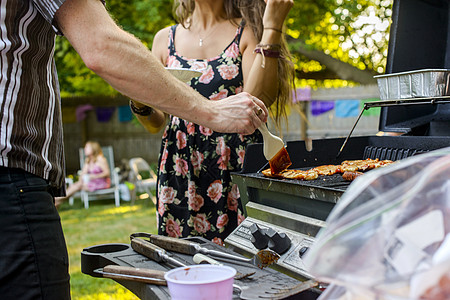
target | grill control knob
[
  {"x": 302, "y": 251},
  {"x": 259, "y": 237},
  {"x": 279, "y": 242}
]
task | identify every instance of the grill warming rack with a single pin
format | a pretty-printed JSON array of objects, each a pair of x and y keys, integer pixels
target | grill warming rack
[{"x": 393, "y": 103}]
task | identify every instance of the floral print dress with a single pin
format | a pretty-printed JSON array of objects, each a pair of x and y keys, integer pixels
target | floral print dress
[{"x": 195, "y": 195}]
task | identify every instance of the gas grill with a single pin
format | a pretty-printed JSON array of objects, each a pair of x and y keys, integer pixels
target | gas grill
[
  {"x": 299, "y": 208},
  {"x": 286, "y": 215},
  {"x": 294, "y": 211}
]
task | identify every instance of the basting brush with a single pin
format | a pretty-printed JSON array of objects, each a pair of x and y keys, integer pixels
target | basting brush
[{"x": 274, "y": 151}]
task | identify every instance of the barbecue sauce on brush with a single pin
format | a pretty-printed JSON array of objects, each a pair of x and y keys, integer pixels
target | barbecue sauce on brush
[{"x": 280, "y": 162}]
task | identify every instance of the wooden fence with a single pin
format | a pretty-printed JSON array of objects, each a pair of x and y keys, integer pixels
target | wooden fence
[{"x": 128, "y": 139}]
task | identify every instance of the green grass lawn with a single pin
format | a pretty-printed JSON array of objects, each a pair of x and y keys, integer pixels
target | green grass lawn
[{"x": 102, "y": 223}]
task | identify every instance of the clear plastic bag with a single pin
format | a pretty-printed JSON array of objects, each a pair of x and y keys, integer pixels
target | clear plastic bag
[{"x": 387, "y": 236}]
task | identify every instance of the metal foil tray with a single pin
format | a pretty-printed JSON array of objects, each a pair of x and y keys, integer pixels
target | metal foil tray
[{"x": 414, "y": 84}]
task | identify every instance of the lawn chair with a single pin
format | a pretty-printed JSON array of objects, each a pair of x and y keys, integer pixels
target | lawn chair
[
  {"x": 109, "y": 193},
  {"x": 144, "y": 176}
]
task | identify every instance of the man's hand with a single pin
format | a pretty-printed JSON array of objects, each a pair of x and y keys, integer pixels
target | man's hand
[{"x": 240, "y": 113}]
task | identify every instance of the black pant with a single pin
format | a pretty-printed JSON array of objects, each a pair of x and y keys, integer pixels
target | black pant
[{"x": 33, "y": 254}]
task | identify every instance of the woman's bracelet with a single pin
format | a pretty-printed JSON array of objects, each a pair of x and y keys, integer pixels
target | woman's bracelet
[
  {"x": 269, "y": 50},
  {"x": 141, "y": 111},
  {"x": 274, "y": 29}
]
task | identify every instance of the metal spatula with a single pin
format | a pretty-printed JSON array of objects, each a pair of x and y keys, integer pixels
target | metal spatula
[
  {"x": 273, "y": 290},
  {"x": 274, "y": 151}
]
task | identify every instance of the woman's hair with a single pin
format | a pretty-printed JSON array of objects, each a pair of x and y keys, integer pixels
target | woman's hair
[
  {"x": 96, "y": 151},
  {"x": 252, "y": 12}
]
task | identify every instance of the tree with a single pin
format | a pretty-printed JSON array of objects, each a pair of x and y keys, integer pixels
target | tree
[
  {"x": 343, "y": 39},
  {"x": 330, "y": 39},
  {"x": 143, "y": 18}
]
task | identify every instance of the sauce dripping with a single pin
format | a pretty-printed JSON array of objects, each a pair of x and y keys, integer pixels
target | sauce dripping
[{"x": 281, "y": 161}]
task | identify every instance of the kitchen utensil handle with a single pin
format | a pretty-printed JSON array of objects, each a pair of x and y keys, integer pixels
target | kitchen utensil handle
[
  {"x": 203, "y": 259},
  {"x": 157, "y": 274},
  {"x": 147, "y": 249},
  {"x": 134, "y": 274},
  {"x": 264, "y": 130},
  {"x": 153, "y": 252},
  {"x": 174, "y": 244}
]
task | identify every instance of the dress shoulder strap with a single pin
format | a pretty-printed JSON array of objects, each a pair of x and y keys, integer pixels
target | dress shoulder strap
[
  {"x": 171, "y": 45},
  {"x": 237, "y": 38}
]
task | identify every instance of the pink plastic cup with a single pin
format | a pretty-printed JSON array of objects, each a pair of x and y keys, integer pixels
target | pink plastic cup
[{"x": 201, "y": 282}]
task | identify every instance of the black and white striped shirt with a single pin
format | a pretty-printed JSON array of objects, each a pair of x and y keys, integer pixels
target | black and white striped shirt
[{"x": 31, "y": 127}]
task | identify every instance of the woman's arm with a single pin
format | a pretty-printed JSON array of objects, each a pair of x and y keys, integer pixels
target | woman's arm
[
  {"x": 154, "y": 122},
  {"x": 84, "y": 169},
  {"x": 258, "y": 81}
]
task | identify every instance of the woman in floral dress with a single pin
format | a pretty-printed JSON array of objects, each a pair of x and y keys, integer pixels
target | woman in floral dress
[{"x": 195, "y": 194}]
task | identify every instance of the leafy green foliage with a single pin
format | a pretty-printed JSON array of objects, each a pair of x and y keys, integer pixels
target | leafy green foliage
[
  {"x": 142, "y": 18},
  {"x": 355, "y": 32}
]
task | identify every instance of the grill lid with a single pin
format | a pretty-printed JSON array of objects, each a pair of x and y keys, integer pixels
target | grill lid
[{"x": 419, "y": 39}]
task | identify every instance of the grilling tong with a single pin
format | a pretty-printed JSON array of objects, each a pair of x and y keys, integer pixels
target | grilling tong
[
  {"x": 158, "y": 254},
  {"x": 262, "y": 259}
]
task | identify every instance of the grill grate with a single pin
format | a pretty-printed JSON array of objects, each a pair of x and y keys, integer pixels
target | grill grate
[
  {"x": 336, "y": 182},
  {"x": 394, "y": 154},
  {"x": 331, "y": 181}
]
